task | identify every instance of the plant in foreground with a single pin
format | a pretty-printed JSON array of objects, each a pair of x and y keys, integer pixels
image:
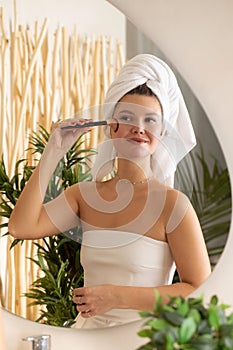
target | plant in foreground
[{"x": 187, "y": 323}]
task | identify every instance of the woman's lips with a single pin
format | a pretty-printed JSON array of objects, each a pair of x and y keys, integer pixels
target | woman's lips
[{"x": 137, "y": 140}]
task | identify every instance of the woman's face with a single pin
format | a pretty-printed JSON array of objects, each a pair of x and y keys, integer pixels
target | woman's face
[{"x": 140, "y": 125}]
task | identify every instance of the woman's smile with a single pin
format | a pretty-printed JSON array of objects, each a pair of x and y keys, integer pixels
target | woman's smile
[{"x": 137, "y": 140}]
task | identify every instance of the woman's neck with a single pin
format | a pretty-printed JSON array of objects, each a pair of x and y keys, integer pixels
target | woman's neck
[{"x": 135, "y": 171}]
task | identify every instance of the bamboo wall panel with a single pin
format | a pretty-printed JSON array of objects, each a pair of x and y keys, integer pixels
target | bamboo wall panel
[{"x": 45, "y": 76}]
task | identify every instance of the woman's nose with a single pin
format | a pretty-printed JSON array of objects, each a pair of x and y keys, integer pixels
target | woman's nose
[{"x": 137, "y": 129}]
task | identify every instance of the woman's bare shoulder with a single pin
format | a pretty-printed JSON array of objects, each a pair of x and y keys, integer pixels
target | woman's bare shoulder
[
  {"x": 174, "y": 195},
  {"x": 75, "y": 191},
  {"x": 177, "y": 205}
]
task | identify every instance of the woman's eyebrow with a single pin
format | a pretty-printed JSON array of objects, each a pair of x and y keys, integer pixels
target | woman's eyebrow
[
  {"x": 126, "y": 111},
  {"x": 153, "y": 114}
]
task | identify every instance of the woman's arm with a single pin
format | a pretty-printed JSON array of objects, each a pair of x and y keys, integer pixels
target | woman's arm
[
  {"x": 189, "y": 251},
  {"x": 30, "y": 218},
  {"x": 96, "y": 300},
  {"x": 187, "y": 245}
]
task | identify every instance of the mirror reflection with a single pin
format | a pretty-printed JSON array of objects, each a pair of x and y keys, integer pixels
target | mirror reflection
[{"x": 71, "y": 248}]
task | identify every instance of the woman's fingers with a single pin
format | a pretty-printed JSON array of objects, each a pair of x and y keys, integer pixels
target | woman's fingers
[
  {"x": 94, "y": 299},
  {"x": 73, "y": 122},
  {"x": 85, "y": 307},
  {"x": 65, "y": 138},
  {"x": 79, "y": 300}
]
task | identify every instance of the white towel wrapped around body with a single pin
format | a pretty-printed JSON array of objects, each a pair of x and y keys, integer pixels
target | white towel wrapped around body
[{"x": 178, "y": 137}]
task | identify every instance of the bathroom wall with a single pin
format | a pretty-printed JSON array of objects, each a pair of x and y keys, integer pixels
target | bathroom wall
[
  {"x": 197, "y": 35},
  {"x": 91, "y": 17}
]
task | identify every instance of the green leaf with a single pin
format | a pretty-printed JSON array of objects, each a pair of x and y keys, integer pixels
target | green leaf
[
  {"x": 159, "y": 338},
  {"x": 227, "y": 342},
  {"x": 15, "y": 242},
  {"x": 158, "y": 306},
  {"x": 214, "y": 300},
  {"x": 203, "y": 344},
  {"x": 145, "y": 314},
  {"x": 173, "y": 317},
  {"x": 183, "y": 309},
  {"x": 204, "y": 328},
  {"x": 187, "y": 330},
  {"x": 158, "y": 324},
  {"x": 169, "y": 342},
  {"x": 147, "y": 346},
  {"x": 145, "y": 333},
  {"x": 214, "y": 319},
  {"x": 226, "y": 330},
  {"x": 195, "y": 314}
]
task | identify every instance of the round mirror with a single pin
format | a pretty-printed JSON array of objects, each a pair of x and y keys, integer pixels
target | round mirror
[{"x": 190, "y": 100}]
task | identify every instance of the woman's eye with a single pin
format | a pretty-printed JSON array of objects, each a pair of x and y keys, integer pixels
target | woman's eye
[
  {"x": 151, "y": 120},
  {"x": 125, "y": 118}
]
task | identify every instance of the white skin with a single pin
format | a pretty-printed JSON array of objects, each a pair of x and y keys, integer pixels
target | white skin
[{"x": 134, "y": 144}]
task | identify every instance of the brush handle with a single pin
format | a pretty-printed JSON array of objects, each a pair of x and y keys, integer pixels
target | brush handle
[{"x": 86, "y": 125}]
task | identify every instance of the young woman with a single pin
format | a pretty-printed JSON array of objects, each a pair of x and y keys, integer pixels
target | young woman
[{"x": 136, "y": 227}]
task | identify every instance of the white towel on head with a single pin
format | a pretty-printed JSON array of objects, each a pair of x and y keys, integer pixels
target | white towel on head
[{"x": 179, "y": 137}]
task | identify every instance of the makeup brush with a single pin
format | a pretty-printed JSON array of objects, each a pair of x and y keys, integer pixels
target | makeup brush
[{"x": 97, "y": 123}]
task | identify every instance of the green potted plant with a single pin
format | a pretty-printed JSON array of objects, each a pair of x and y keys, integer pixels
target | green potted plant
[
  {"x": 58, "y": 256},
  {"x": 187, "y": 323}
]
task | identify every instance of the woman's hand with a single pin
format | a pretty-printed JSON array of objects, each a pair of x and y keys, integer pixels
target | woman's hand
[
  {"x": 95, "y": 300},
  {"x": 63, "y": 139}
]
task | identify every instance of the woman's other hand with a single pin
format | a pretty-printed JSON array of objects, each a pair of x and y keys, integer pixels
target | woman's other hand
[{"x": 95, "y": 300}]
